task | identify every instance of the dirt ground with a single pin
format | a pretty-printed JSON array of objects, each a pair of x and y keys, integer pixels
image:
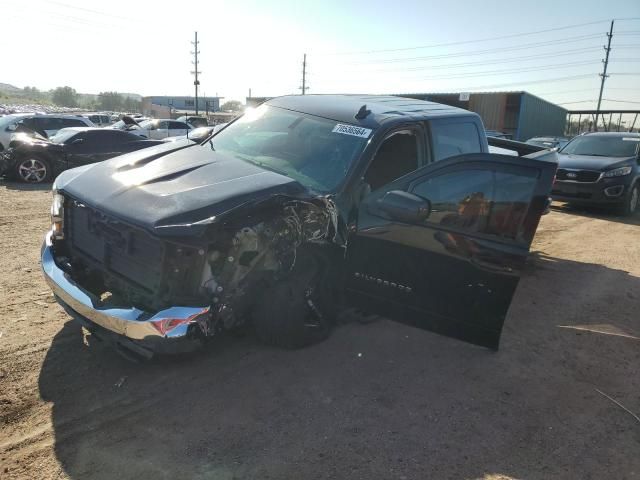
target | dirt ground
[{"x": 377, "y": 401}]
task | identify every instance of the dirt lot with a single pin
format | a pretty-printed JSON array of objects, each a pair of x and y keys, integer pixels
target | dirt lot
[{"x": 374, "y": 401}]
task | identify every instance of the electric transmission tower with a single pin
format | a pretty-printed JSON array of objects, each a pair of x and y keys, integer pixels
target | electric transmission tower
[
  {"x": 304, "y": 86},
  {"x": 195, "y": 73},
  {"x": 604, "y": 72}
]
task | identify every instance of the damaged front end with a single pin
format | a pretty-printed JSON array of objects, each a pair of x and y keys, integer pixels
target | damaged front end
[{"x": 170, "y": 293}]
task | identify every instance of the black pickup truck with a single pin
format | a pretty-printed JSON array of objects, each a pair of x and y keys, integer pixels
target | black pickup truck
[{"x": 301, "y": 207}]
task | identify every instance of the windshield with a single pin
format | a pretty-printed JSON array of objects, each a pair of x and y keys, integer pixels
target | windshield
[
  {"x": 542, "y": 142},
  {"x": 9, "y": 119},
  {"x": 63, "y": 135},
  {"x": 304, "y": 147},
  {"x": 146, "y": 123},
  {"x": 603, "y": 146}
]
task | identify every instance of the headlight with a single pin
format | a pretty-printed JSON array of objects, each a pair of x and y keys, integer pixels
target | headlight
[
  {"x": 57, "y": 215},
  {"x": 618, "y": 172}
]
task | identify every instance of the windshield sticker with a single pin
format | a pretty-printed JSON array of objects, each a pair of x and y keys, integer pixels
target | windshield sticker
[
  {"x": 624, "y": 139},
  {"x": 352, "y": 130}
]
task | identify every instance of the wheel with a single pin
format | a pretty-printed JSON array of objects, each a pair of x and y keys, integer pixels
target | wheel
[
  {"x": 33, "y": 170},
  {"x": 297, "y": 311},
  {"x": 631, "y": 201}
]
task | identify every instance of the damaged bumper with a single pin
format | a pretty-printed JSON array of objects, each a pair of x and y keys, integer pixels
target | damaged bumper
[{"x": 172, "y": 330}]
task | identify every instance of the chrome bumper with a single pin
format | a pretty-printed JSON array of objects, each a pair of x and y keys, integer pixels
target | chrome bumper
[{"x": 167, "y": 331}]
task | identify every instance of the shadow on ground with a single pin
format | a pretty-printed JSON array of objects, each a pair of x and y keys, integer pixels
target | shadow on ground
[
  {"x": 602, "y": 213},
  {"x": 14, "y": 185},
  {"x": 374, "y": 401}
]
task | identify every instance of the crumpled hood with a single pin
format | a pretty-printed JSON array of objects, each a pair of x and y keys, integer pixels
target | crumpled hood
[
  {"x": 589, "y": 162},
  {"x": 171, "y": 189}
]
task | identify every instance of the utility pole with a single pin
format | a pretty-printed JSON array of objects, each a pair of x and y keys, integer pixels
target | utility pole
[
  {"x": 604, "y": 72},
  {"x": 196, "y": 82},
  {"x": 304, "y": 87}
]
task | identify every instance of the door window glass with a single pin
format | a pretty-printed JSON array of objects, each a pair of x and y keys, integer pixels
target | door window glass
[
  {"x": 511, "y": 202},
  {"x": 177, "y": 126},
  {"x": 397, "y": 156},
  {"x": 460, "y": 199},
  {"x": 71, "y": 122},
  {"x": 49, "y": 123},
  {"x": 451, "y": 139}
]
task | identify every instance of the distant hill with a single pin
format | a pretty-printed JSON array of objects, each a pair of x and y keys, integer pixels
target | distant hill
[{"x": 5, "y": 87}]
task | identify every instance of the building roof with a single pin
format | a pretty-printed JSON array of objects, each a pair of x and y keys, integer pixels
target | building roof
[{"x": 343, "y": 108}]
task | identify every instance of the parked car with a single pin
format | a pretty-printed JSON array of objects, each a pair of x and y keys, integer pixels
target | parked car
[
  {"x": 44, "y": 124},
  {"x": 497, "y": 134},
  {"x": 600, "y": 168},
  {"x": 197, "y": 135},
  {"x": 548, "y": 142},
  {"x": 99, "y": 119},
  {"x": 161, "y": 128},
  {"x": 299, "y": 208},
  {"x": 35, "y": 159},
  {"x": 194, "y": 121}
]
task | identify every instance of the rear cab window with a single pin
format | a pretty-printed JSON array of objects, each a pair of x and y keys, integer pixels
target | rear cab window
[{"x": 451, "y": 137}]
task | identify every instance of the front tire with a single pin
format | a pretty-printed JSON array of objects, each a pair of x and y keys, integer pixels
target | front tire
[
  {"x": 631, "y": 201},
  {"x": 297, "y": 311},
  {"x": 33, "y": 170}
]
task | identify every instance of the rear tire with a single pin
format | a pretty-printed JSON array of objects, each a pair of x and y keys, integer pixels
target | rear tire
[
  {"x": 631, "y": 201},
  {"x": 297, "y": 311},
  {"x": 33, "y": 170}
]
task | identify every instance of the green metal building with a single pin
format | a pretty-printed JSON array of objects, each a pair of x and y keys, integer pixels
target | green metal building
[{"x": 521, "y": 115}]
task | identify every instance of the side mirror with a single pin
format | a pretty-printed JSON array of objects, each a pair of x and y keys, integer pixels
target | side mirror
[{"x": 404, "y": 206}]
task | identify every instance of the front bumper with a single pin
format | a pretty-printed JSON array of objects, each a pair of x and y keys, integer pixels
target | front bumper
[
  {"x": 7, "y": 161},
  {"x": 603, "y": 192},
  {"x": 177, "y": 329}
]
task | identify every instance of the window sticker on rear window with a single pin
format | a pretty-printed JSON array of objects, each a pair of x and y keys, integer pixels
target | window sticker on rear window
[
  {"x": 352, "y": 130},
  {"x": 624, "y": 139}
]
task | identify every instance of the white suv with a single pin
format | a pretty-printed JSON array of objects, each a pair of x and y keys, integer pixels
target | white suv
[{"x": 48, "y": 124}]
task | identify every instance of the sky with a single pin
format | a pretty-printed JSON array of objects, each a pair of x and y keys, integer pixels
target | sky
[{"x": 552, "y": 49}]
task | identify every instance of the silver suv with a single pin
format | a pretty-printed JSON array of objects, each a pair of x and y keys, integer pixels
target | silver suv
[{"x": 41, "y": 123}]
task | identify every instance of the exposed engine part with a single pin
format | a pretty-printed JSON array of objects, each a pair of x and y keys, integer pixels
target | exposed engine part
[{"x": 247, "y": 260}]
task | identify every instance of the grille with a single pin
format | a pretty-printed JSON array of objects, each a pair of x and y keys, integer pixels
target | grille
[
  {"x": 116, "y": 247},
  {"x": 580, "y": 175}
]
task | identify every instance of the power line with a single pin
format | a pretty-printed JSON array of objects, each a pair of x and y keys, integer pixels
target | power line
[
  {"x": 555, "y": 66},
  {"x": 619, "y": 101},
  {"x": 533, "y": 82},
  {"x": 464, "y": 42},
  {"x": 563, "y": 92},
  {"x": 483, "y": 52},
  {"x": 490, "y": 62},
  {"x": 74, "y": 7},
  {"x": 508, "y": 70},
  {"x": 578, "y": 101}
]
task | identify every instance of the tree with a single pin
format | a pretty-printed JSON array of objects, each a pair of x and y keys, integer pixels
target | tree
[
  {"x": 231, "y": 105},
  {"x": 131, "y": 104},
  {"x": 112, "y": 101},
  {"x": 32, "y": 93},
  {"x": 65, "y": 97}
]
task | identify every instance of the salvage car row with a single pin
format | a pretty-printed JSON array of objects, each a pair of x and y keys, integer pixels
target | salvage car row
[{"x": 35, "y": 148}]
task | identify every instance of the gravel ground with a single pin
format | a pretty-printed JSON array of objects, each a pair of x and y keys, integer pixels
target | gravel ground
[{"x": 374, "y": 401}]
